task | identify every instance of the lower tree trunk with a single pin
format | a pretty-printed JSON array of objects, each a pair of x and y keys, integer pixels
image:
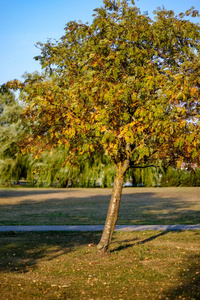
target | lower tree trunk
[{"x": 113, "y": 208}]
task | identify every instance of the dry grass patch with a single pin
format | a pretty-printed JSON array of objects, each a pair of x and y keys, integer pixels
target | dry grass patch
[{"x": 139, "y": 206}]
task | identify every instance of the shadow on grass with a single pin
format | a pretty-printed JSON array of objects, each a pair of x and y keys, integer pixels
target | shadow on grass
[
  {"x": 189, "y": 286},
  {"x": 21, "y": 192},
  {"x": 129, "y": 245},
  {"x": 20, "y": 252}
]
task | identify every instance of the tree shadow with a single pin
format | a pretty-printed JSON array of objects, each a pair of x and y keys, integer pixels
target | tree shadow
[
  {"x": 21, "y": 192},
  {"x": 130, "y": 243},
  {"x": 20, "y": 252}
]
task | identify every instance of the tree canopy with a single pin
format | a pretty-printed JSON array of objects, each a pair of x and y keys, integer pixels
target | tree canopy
[{"x": 125, "y": 86}]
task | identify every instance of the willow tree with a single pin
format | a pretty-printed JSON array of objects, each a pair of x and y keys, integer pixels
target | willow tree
[
  {"x": 125, "y": 86},
  {"x": 12, "y": 163}
]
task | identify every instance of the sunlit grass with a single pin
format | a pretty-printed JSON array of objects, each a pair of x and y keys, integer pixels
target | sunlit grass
[{"x": 139, "y": 265}]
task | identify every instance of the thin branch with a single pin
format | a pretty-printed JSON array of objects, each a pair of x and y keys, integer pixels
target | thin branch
[{"x": 144, "y": 167}]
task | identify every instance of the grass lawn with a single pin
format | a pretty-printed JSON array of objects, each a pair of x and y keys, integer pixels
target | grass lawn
[
  {"x": 66, "y": 265},
  {"x": 139, "y": 206}
]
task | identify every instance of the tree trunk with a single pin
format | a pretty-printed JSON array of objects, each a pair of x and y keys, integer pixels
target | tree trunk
[{"x": 113, "y": 208}]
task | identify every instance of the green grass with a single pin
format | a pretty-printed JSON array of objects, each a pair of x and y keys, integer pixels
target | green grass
[
  {"x": 139, "y": 265},
  {"x": 139, "y": 206}
]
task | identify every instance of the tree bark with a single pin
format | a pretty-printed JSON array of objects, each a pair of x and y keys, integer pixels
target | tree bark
[{"x": 113, "y": 208}]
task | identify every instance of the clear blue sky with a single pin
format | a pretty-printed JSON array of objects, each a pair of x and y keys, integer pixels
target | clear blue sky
[{"x": 25, "y": 22}]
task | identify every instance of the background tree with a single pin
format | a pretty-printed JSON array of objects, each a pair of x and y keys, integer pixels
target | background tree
[
  {"x": 13, "y": 164},
  {"x": 50, "y": 169},
  {"x": 124, "y": 86},
  {"x": 184, "y": 177},
  {"x": 149, "y": 176}
]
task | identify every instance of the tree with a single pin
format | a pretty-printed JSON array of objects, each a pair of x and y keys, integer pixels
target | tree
[
  {"x": 50, "y": 169},
  {"x": 11, "y": 132},
  {"x": 124, "y": 86},
  {"x": 149, "y": 176}
]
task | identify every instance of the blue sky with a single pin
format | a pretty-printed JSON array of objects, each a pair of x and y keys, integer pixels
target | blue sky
[{"x": 23, "y": 23}]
